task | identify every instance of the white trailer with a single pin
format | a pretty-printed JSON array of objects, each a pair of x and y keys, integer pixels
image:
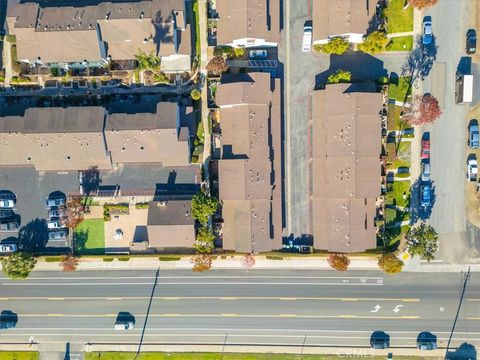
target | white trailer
[{"x": 464, "y": 89}]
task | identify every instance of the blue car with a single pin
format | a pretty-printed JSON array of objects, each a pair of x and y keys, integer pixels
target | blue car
[
  {"x": 427, "y": 31},
  {"x": 425, "y": 195}
]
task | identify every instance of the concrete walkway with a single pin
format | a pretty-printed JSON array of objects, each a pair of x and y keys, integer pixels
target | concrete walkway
[
  {"x": 400, "y": 34},
  {"x": 398, "y": 224},
  {"x": 7, "y": 62}
]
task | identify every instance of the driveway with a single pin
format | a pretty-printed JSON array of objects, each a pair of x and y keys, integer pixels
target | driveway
[{"x": 448, "y": 136}]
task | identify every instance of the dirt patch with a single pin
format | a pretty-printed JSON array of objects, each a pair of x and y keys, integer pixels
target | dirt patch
[{"x": 472, "y": 193}]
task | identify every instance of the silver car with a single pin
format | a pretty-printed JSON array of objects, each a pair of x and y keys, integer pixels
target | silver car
[
  {"x": 6, "y": 203},
  {"x": 8, "y": 248}
]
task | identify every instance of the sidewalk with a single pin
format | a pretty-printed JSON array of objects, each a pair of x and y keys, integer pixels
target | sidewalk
[{"x": 364, "y": 263}]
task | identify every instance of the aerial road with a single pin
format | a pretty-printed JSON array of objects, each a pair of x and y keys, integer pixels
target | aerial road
[{"x": 242, "y": 307}]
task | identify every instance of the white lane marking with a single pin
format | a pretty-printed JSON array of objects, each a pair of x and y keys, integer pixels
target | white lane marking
[
  {"x": 441, "y": 308},
  {"x": 397, "y": 308},
  {"x": 376, "y": 308},
  {"x": 303, "y": 331},
  {"x": 199, "y": 277},
  {"x": 191, "y": 283}
]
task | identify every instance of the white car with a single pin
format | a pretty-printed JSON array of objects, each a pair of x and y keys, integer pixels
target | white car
[
  {"x": 6, "y": 203},
  {"x": 8, "y": 248},
  {"x": 55, "y": 225},
  {"x": 257, "y": 54},
  {"x": 472, "y": 169},
  {"x": 307, "y": 39}
]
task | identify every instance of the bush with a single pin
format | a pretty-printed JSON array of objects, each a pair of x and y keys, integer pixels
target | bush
[
  {"x": 125, "y": 258},
  {"x": 239, "y": 51},
  {"x": 169, "y": 258},
  {"x": 204, "y": 240},
  {"x": 195, "y": 94},
  {"x": 390, "y": 263},
  {"x": 53, "y": 258},
  {"x": 108, "y": 259},
  {"x": 161, "y": 77},
  {"x": 18, "y": 265},
  {"x": 337, "y": 46},
  {"x": 142, "y": 205},
  {"x": 339, "y": 262},
  {"x": 340, "y": 76},
  {"x": 274, "y": 257},
  {"x": 374, "y": 43},
  {"x": 203, "y": 206}
]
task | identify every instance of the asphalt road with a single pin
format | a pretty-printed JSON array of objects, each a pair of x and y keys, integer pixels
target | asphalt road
[
  {"x": 246, "y": 307},
  {"x": 448, "y": 136}
]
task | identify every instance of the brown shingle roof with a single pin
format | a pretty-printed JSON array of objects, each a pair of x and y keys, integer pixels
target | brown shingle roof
[
  {"x": 249, "y": 169},
  {"x": 337, "y": 17},
  {"x": 346, "y": 168},
  {"x": 170, "y": 224},
  {"x": 240, "y": 19}
]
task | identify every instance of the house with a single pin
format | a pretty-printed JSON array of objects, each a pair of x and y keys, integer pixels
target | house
[
  {"x": 248, "y": 23},
  {"x": 77, "y": 138},
  {"x": 349, "y": 19},
  {"x": 346, "y": 167},
  {"x": 250, "y": 184},
  {"x": 93, "y": 35},
  {"x": 170, "y": 225}
]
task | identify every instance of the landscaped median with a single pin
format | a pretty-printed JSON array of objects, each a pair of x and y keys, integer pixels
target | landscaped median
[{"x": 19, "y": 355}]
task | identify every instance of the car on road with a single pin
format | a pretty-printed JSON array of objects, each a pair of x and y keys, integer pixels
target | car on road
[
  {"x": 57, "y": 235},
  {"x": 7, "y": 324},
  {"x": 6, "y": 214},
  {"x": 471, "y": 46},
  {"x": 52, "y": 202},
  {"x": 426, "y": 341},
  {"x": 425, "y": 153},
  {"x": 8, "y": 248},
  {"x": 257, "y": 54},
  {"x": 380, "y": 340},
  {"x": 472, "y": 169},
  {"x": 55, "y": 213},
  {"x": 426, "y": 195},
  {"x": 9, "y": 226},
  {"x": 7, "y": 203},
  {"x": 307, "y": 39},
  {"x": 124, "y": 325},
  {"x": 427, "y": 31},
  {"x": 425, "y": 175},
  {"x": 473, "y": 136},
  {"x": 55, "y": 224}
]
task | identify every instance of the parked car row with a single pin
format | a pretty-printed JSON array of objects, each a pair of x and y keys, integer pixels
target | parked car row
[
  {"x": 425, "y": 340},
  {"x": 425, "y": 184},
  {"x": 8, "y": 219},
  {"x": 55, "y": 206},
  {"x": 474, "y": 143}
]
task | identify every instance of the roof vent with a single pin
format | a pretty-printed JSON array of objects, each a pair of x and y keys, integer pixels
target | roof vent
[
  {"x": 107, "y": 15},
  {"x": 141, "y": 16},
  {"x": 161, "y": 204}
]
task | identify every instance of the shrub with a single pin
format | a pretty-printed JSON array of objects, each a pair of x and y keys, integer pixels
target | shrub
[
  {"x": 339, "y": 262},
  {"x": 203, "y": 206},
  {"x": 108, "y": 259},
  {"x": 161, "y": 77},
  {"x": 374, "y": 43},
  {"x": 337, "y": 46},
  {"x": 340, "y": 76},
  {"x": 390, "y": 263},
  {"x": 195, "y": 94},
  {"x": 204, "y": 241},
  {"x": 125, "y": 258},
  {"x": 169, "y": 258},
  {"x": 142, "y": 205},
  {"x": 69, "y": 263},
  {"x": 274, "y": 257},
  {"x": 53, "y": 258},
  {"x": 18, "y": 265},
  {"x": 239, "y": 51},
  {"x": 217, "y": 66}
]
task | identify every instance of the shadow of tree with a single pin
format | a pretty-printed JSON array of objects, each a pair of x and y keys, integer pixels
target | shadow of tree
[
  {"x": 464, "y": 351},
  {"x": 33, "y": 236},
  {"x": 163, "y": 30},
  {"x": 90, "y": 182},
  {"x": 420, "y": 61},
  {"x": 80, "y": 239}
]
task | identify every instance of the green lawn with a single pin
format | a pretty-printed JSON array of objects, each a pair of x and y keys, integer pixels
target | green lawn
[
  {"x": 403, "y": 155},
  {"x": 197, "y": 30},
  {"x": 402, "y": 43},
  {"x": 218, "y": 356},
  {"x": 399, "y": 20},
  {"x": 89, "y": 237},
  {"x": 399, "y": 88},
  {"x": 395, "y": 192},
  {"x": 18, "y": 355}
]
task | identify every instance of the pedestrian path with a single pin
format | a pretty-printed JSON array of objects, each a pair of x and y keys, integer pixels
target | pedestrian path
[
  {"x": 400, "y": 34},
  {"x": 398, "y": 224}
]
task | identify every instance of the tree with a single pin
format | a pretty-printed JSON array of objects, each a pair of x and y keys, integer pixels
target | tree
[
  {"x": 201, "y": 262},
  {"x": 390, "y": 263},
  {"x": 339, "y": 262},
  {"x": 203, "y": 206},
  {"x": 374, "y": 43},
  {"x": 204, "y": 242},
  {"x": 337, "y": 46},
  {"x": 195, "y": 94},
  {"x": 340, "y": 76},
  {"x": 422, "y": 241},
  {"x": 420, "y": 4},
  {"x": 248, "y": 261},
  {"x": 73, "y": 212},
  {"x": 239, "y": 51},
  {"x": 147, "y": 61},
  {"x": 18, "y": 265},
  {"x": 69, "y": 263},
  {"x": 424, "y": 110},
  {"x": 217, "y": 65}
]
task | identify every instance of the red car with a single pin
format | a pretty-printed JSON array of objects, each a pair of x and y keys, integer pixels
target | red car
[{"x": 425, "y": 154}]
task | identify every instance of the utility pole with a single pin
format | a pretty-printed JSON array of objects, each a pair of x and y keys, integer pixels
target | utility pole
[{"x": 224, "y": 343}]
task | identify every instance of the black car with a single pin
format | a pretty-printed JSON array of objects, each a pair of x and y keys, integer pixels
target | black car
[
  {"x": 379, "y": 340},
  {"x": 6, "y": 214},
  {"x": 426, "y": 341},
  {"x": 471, "y": 42},
  {"x": 8, "y": 324}
]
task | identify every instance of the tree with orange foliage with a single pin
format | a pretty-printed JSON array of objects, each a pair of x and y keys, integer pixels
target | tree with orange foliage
[
  {"x": 201, "y": 262},
  {"x": 73, "y": 212},
  {"x": 424, "y": 110},
  {"x": 248, "y": 261},
  {"x": 339, "y": 262},
  {"x": 420, "y": 4},
  {"x": 69, "y": 263}
]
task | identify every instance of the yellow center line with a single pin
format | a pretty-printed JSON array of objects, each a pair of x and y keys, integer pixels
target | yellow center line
[
  {"x": 348, "y": 299},
  {"x": 228, "y": 298},
  {"x": 230, "y": 315},
  {"x": 288, "y": 299},
  {"x": 169, "y": 298},
  {"x": 288, "y": 315},
  {"x": 114, "y": 298},
  {"x": 55, "y": 299},
  {"x": 473, "y": 318}
]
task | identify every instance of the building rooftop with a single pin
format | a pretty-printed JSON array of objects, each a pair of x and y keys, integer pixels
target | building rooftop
[
  {"x": 249, "y": 169},
  {"x": 346, "y": 168},
  {"x": 338, "y": 17},
  {"x": 258, "y": 19}
]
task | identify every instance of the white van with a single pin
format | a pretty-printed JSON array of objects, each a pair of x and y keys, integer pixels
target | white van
[{"x": 307, "y": 39}]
